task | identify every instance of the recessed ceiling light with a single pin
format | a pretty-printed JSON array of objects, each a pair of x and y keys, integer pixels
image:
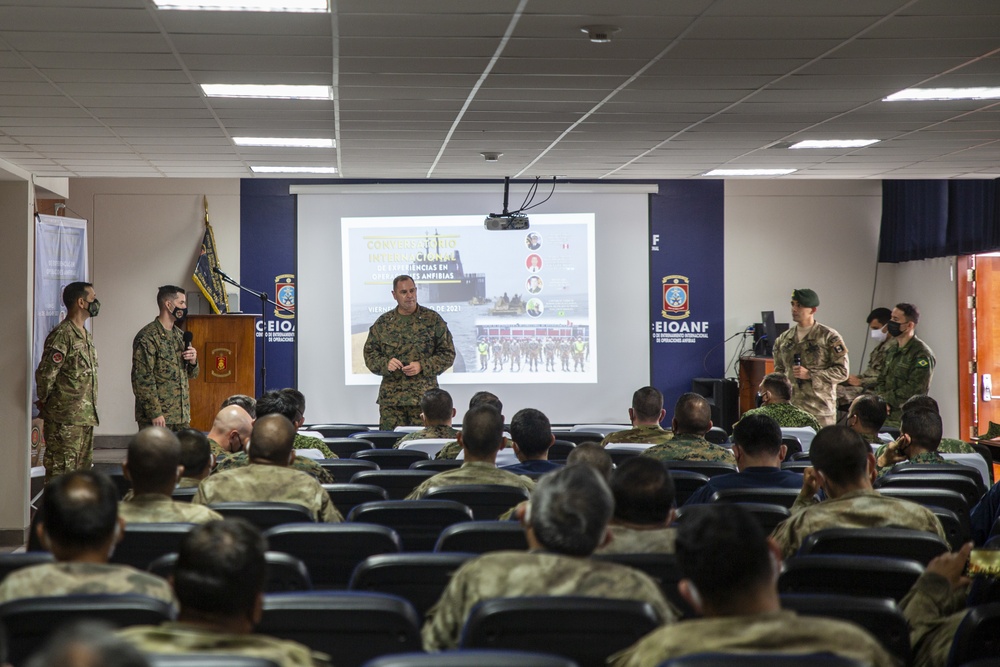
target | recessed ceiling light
[
  {"x": 917, "y": 94},
  {"x": 290, "y": 142},
  {"x": 600, "y": 34},
  {"x": 834, "y": 143},
  {"x": 246, "y": 5},
  {"x": 293, "y": 170},
  {"x": 749, "y": 172},
  {"x": 281, "y": 91}
]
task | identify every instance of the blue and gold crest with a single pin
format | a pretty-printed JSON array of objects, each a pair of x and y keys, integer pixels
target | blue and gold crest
[{"x": 676, "y": 298}]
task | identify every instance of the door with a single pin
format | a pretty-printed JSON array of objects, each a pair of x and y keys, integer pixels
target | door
[{"x": 979, "y": 341}]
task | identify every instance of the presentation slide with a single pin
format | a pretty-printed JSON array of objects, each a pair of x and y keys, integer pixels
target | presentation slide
[{"x": 520, "y": 305}]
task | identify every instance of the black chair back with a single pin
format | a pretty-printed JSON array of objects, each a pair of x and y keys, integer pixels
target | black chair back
[
  {"x": 576, "y": 437},
  {"x": 892, "y": 542},
  {"x": 331, "y": 551},
  {"x": 769, "y": 496},
  {"x": 863, "y": 576},
  {"x": 487, "y": 501},
  {"x": 561, "y": 448},
  {"x": 685, "y": 484},
  {"x": 345, "y": 447},
  {"x": 762, "y": 660},
  {"x": 419, "y": 578},
  {"x": 480, "y": 537},
  {"x": 346, "y": 497},
  {"x": 963, "y": 479},
  {"x": 284, "y": 572},
  {"x": 264, "y": 515},
  {"x": 381, "y": 439},
  {"x": 479, "y": 658},
  {"x": 767, "y": 515},
  {"x": 343, "y": 469},
  {"x": 620, "y": 456},
  {"x": 142, "y": 543},
  {"x": 397, "y": 483},
  {"x": 931, "y": 498},
  {"x": 418, "y": 522},
  {"x": 717, "y": 435},
  {"x": 661, "y": 568},
  {"x": 977, "y": 637},
  {"x": 437, "y": 465},
  {"x": 13, "y": 562},
  {"x": 392, "y": 459},
  {"x": 338, "y": 430},
  {"x": 956, "y": 531},
  {"x": 707, "y": 468},
  {"x": 987, "y": 454},
  {"x": 184, "y": 494},
  {"x": 798, "y": 466},
  {"x": 793, "y": 444},
  {"x": 207, "y": 660}
]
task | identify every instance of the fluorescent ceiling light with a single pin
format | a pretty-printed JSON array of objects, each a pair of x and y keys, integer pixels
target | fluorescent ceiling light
[
  {"x": 293, "y": 170},
  {"x": 749, "y": 172},
  {"x": 834, "y": 143},
  {"x": 290, "y": 142},
  {"x": 246, "y": 5},
  {"x": 276, "y": 91},
  {"x": 917, "y": 94}
]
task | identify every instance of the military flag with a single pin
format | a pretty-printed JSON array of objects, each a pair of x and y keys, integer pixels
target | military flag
[{"x": 209, "y": 282}]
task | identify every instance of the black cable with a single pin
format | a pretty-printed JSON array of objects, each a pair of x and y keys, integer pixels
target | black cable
[
  {"x": 704, "y": 362},
  {"x": 529, "y": 195},
  {"x": 551, "y": 192}
]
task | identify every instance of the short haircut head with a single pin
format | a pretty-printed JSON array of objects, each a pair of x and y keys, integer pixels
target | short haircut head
[
  {"x": 84, "y": 643},
  {"x": 880, "y": 315},
  {"x": 278, "y": 402},
  {"x": 272, "y": 439},
  {"x": 924, "y": 428},
  {"x": 74, "y": 291},
  {"x": 482, "y": 430},
  {"x": 570, "y": 510},
  {"x": 168, "y": 293},
  {"x": 707, "y": 540},
  {"x": 870, "y": 410},
  {"x": 643, "y": 491},
  {"x": 647, "y": 404},
  {"x": 248, "y": 403},
  {"x": 400, "y": 279},
  {"x": 757, "y": 435},
  {"x": 153, "y": 456},
  {"x": 80, "y": 509},
  {"x": 531, "y": 430},
  {"x": 591, "y": 454},
  {"x": 909, "y": 311},
  {"x": 840, "y": 454},
  {"x": 436, "y": 404},
  {"x": 778, "y": 384},
  {"x": 297, "y": 396},
  {"x": 220, "y": 568},
  {"x": 486, "y": 398},
  {"x": 196, "y": 453},
  {"x": 693, "y": 414},
  {"x": 921, "y": 402}
]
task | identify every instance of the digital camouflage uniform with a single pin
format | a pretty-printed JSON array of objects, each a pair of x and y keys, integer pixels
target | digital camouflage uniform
[
  {"x": 933, "y": 612},
  {"x": 437, "y": 431},
  {"x": 180, "y": 638},
  {"x": 217, "y": 449},
  {"x": 422, "y": 336},
  {"x": 269, "y": 483},
  {"x": 66, "y": 378},
  {"x": 625, "y": 540},
  {"x": 520, "y": 574},
  {"x": 774, "y": 632},
  {"x": 312, "y": 442},
  {"x": 922, "y": 457},
  {"x": 303, "y": 463},
  {"x": 54, "y": 579},
  {"x": 160, "y": 377},
  {"x": 787, "y": 415},
  {"x": 907, "y": 372},
  {"x": 655, "y": 435},
  {"x": 856, "y": 509},
  {"x": 157, "y": 508},
  {"x": 824, "y": 353},
  {"x": 472, "y": 472},
  {"x": 689, "y": 447},
  {"x": 953, "y": 446}
]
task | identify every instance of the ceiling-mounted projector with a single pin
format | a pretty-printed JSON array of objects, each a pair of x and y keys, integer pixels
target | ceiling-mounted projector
[{"x": 499, "y": 222}]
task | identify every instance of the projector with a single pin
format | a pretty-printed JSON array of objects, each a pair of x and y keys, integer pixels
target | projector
[{"x": 499, "y": 222}]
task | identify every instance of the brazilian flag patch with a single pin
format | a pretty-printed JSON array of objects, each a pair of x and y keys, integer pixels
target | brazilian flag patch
[{"x": 923, "y": 363}]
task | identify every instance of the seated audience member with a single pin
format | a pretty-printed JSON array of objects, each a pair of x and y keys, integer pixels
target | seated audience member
[
  {"x": 481, "y": 438},
  {"x": 775, "y": 392},
  {"x": 248, "y": 403},
  {"x": 948, "y": 445},
  {"x": 919, "y": 438},
  {"x": 645, "y": 416},
  {"x": 532, "y": 435},
  {"x": 304, "y": 441},
  {"x": 737, "y": 598},
  {"x": 436, "y": 411},
  {"x": 692, "y": 420},
  {"x": 86, "y": 644},
  {"x": 856, "y": 385},
  {"x": 219, "y": 580},
  {"x": 591, "y": 454},
  {"x": 153, "y": 465},
  {"x": 230, "y": 431},
  {"x": 196, "y": 458},
  {"x": 759, "y": 452},
  {"x": 80, "y": 526},
  {"x": 565, "y": 521},
  {"x": 644, "y": 508},
  {"x": 452, "y": 449},
  {"x": 269, "y": 476},
  {"x": 843, "y": 465},
  {"x": 866, "y": 416}
]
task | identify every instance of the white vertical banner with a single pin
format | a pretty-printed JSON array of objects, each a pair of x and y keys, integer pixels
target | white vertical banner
[{"x": 60, "y": 259}]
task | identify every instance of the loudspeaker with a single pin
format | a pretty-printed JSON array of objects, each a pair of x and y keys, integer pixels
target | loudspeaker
[{"x": 724, "y": 398}]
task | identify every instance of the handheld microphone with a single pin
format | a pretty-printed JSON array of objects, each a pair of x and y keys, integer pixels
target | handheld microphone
[
  {"x": 188, "y": 337},
  {"x": 797, "y": 360}
]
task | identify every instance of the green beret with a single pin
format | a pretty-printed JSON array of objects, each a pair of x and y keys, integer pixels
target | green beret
[{"x": 806, "y": 298}]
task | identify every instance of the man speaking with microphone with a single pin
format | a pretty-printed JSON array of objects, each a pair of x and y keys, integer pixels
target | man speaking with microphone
[{"x": 163, "y": 360}]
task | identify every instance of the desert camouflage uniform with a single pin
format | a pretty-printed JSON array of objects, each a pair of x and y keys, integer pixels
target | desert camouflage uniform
[
  {"x": 472, "y": 472},
  {"x": 520, "y": 574},
  {"x": 157, "y": 508},
  {"x": 269, "y": 483},
  {"x": 777, "y": 632},
  {"x": 907, "y": 372},
  {"x": 436, "y": 431},
  {"x": 303, "y": 463},
  {"x": 876, "y": 361},
  {"x": 160, "y": 377},
  {"x": 857, "y": 509},
  {"x": 922, "y": 457},
  {"x": 187, "y": 482},
  {"x": 625, "y": 540},
  {"x": 180, "y": 638},
  {"x": 422, "y": 336},
  {"x": 53, "y": 579},
  {"x": 66, "y": 378},
  {"x": 933, "y": 612},
  {"x": 824, "y": 353},
  {"x": 787, "y": 415},
  {"x": 689, "y": 447},
  {"x": 655, "y": 435},
  {"x": 312, "y": 442}
]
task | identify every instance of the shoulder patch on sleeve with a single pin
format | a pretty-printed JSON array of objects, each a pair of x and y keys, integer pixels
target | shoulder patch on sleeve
[
  {"x": 923, "y": 362},
  {"x": 57, "y": 357},
  {"x": 839, "y": 348}
]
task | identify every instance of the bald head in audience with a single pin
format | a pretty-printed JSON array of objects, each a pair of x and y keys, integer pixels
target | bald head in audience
[
  {"x": 153, "y": 461},
  {"x": 231, "y": 428},
  {"x": 692, "y": 415},
  {"x": 272, "y": 441}
]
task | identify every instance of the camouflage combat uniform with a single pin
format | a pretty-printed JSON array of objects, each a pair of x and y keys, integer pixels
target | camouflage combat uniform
[
  {"x": 655, "y": 435},
  {"x": 856, "y": 509},
  {"x": 933, "y": 612},
  {"x": 787, "y": 415},
  {"x": 824, "y": 353},
  {"x": 422, "y": 336},
  {"x": 436, "y": 431},
  {"x": 187, "y": 482},
  {"x": 312, "y": 442},
  {"x": 157, "y": 508},
  {"x": 53, "y": 579},
  {"x": 472, "y": 472},
  {"x": 689, "y": 447},
  {"x": 954, "y": 446},
  {"x": 269, "y": 483},
  {"x": 778, "y": 632},
  {"x": 180, "y": 638},
  {"x": 520, "y": 574},
  {"x": 303, "y": 463},
  {"x": 625, "y": 540},
  {"x": 67, "y": 389},
  {"x": 922, "y": 457},
  {"x": 907, "y": 372},
  {"x": 160, "y": 377},
  {"x": 876, "y": 361}
]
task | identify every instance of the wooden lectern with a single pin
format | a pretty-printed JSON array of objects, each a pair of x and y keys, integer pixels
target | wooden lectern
[
  {"x": 752, "y": 371},
  {"x": 227, "y": 354}
]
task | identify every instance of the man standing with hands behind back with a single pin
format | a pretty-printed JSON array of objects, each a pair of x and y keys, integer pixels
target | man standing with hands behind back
[
  {"x": 162, "y": 365},
  {"x": 814, "y": 357},
  {"x": 409, "y": 346}
]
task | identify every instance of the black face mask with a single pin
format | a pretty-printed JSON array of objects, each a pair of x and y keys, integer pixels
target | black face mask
[
  {"x": 179, "y": 313},
  {"x": 94, "y": 307},
  {"x": 893, "y": 328}
]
